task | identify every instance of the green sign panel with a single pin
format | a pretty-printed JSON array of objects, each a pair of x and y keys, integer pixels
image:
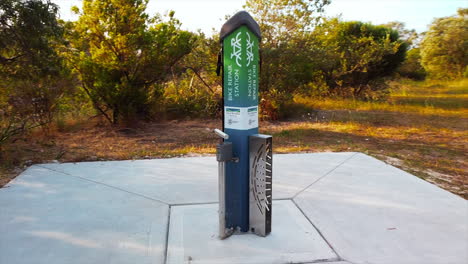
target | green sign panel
[{"x": 241, "y": 62}]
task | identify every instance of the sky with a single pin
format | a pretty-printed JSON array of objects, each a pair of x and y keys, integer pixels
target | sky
[{"x": 209, "y": 15}]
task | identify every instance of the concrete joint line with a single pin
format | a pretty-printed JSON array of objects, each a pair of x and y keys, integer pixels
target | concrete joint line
[
  {"x": 338, "y": 258},
  {"x": 324, "y": 261},
  {"x": 166, "y": 248},
  {"x": 198, "y": 203},
  {"x": 325, "y": 175},
  {"x": 107, "y": 185},
  {"x": 213, "y": 202},
  {"x": 355, "y": 262},
  {"x": 320, "y": 233}
]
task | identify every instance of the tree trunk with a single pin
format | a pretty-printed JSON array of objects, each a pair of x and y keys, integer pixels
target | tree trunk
[{"x": 115, "y": 115}]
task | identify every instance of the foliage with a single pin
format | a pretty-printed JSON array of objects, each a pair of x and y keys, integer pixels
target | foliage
[
  {"x": 411, "y": 67},
  {"x": 444, "y": 49},
  {"x": 123, "y": 56},
  {"x": 300, "y": 54},
  {"x": 134, "y": 66},
  {"x": 282, "y": 20},
  {"x": 32, "y": 75},
  {"x": 187, "y": 96},
  {"x": 196, "y": 91},
  {"x": 410, "y": 36},
  {"x": 354, "y": 57},
  {"x": 286, "y": 53}
]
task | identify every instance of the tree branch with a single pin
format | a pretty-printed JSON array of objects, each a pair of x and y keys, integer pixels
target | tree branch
[
  {"x": 5, "y": 60},
  {"x": 96, "y": 104},
  {"x": 201, "y": 79}
]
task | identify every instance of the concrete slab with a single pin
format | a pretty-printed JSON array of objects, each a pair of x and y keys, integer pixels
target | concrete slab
[
  {"x": 292, "y": 173},
  {"x": 371, "y": 212},
  {"x": 193, "y": 238},
  {"x": 195, "y": 180},
  {"x": 48, "y": 217},
  {"x": 173, "y": 181},
  {"x": 114, "y": 212}
]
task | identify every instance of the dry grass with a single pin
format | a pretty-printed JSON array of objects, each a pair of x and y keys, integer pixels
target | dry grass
[
  {"x": 442, "y": 99},
  {"x": 437, "y": 155},
  {"x": 421, "y": 128},
  {"x": 426, "y": 136}
]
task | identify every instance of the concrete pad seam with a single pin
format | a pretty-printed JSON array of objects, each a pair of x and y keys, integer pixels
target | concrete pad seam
[
  {"x": 332, "y": 261},
  {"x": 339, "y": 258},
  {"x": 216, "y": 202},
  {"x": 107, "y": 185},
  {"x": 167, "y": 233},
  {"x": 282, "y": 199},
  {"x": 350, "y": 262},
  {"x": 325, "y": 175},
  {"x": 325, "y": 261},
  {"x": 196, "y": 203},
  {"x": 320, "y": 261}
]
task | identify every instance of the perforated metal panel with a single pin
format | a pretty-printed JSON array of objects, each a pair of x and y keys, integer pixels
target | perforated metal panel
[{"x": 261, "y": 176}]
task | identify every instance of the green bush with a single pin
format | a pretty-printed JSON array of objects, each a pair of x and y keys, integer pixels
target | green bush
[
  {"x": 411, "y": 67},
  {"x": 354, "y": 57},
  {"x": 189, "y": 98},
  {"x": 123, "y": 57}
]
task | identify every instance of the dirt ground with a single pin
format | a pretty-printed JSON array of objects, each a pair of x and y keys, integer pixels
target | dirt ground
[{"x": 435, "y": 152}]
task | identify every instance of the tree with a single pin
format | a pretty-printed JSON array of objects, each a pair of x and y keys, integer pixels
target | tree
[
  {"x": 444, "y": 49},
  {"x": 281, "y": 20},
  {"x": 194, "y": 88},
  {"x": 32, "y": 75},
  {"x": 123, "y": 56},
  {"x": 286, "y": 51},
  {"x": 410, "y": 36},
  {"x": 411, "y": 67},
  {"x": 354, "y": 57}
]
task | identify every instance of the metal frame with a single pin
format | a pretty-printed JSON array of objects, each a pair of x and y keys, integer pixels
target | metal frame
[
  {"x": 223, "y": 155},
  {"x": 261, "y": 181}
]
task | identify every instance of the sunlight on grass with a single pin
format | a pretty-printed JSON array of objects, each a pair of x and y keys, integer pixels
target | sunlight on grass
[
  {"x": 350, "y": 104},
  {"x": 446, "y": 99},
  {"x": 299, "y": 129},
  {"x": 172, "y": 152},
  {"x": 430, "y": 88}
]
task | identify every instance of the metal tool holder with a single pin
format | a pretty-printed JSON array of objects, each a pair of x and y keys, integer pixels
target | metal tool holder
[{"x": 261, "y": 180}]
